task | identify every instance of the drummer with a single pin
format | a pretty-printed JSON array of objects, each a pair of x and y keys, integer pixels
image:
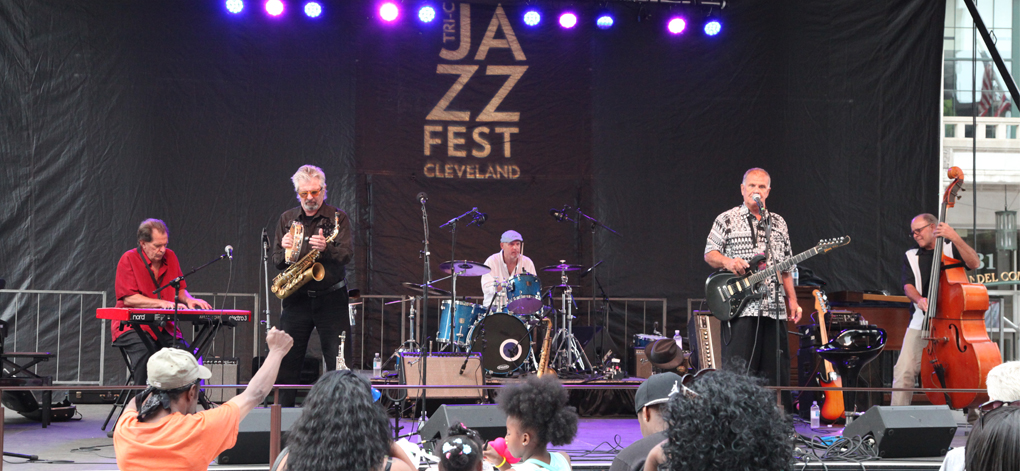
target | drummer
[{"x": 504, "y": 265}]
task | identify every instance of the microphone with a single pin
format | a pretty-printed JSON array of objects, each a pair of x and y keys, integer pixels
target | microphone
[
  {"x": 593, "y": 267},
  {"x": 230, "y": 251},
  {"x": 480, "y": 218},
  {"x": 757, "y": 199},
  {"x": 560, "y": 214},
  {"x": 423, "y": 197},
  {"x": 265, "y": 240}
]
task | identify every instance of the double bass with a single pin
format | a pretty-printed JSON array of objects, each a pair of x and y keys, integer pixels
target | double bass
[{"x": 959, "y": 353}]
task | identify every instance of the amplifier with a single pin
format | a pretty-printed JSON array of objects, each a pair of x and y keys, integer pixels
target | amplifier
[
  {"x": 224, "y": 371},
  {"x": 703, "y": 335},
  {"x": 443, "y": 369}
]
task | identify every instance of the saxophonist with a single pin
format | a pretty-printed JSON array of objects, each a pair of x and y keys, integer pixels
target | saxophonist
[{"x": 318, "y": 305}]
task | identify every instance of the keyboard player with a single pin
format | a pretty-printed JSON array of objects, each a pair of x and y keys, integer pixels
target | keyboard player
[{"x": 139, "y": 272}]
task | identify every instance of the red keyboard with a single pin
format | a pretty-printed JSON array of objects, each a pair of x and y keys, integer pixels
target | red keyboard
[{"x": 159, "y": 315}]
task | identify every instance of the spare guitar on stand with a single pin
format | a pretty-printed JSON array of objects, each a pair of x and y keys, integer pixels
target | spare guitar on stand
[{"x": 833, "y": 405}]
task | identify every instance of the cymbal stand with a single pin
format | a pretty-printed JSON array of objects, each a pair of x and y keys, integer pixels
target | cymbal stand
[{"x": 569, "y": 353}]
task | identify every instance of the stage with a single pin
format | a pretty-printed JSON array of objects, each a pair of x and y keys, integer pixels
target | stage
[{"x": 81, "y": 445}]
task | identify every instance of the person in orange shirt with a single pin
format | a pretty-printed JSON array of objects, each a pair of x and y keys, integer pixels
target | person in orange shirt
[{"x": 167, "y": 431}]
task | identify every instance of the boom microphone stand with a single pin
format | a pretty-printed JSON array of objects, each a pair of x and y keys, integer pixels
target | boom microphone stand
[{"x": 176, "y": 283}]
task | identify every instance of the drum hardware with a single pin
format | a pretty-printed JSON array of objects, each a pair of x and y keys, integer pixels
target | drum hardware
[
  {"x": 569, "y": 354},
  {"x": 433, "y": 291}
]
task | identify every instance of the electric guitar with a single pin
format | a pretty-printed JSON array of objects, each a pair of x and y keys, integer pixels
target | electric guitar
[
  {"x": 832, "y": 407},
  {"x": 727, "y": 294}
]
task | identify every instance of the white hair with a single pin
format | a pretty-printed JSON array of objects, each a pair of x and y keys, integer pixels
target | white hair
[
  {"x": 759, "y": 171},
  {"x": 1003, "y": 382},
  {"x": 308, "y": 173}
]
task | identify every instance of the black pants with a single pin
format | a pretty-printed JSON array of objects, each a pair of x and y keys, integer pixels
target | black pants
[
  {"x": 752, "y": 341},
  {"x": 139, "y": 354},
  {"x": 326, "y": 314}
]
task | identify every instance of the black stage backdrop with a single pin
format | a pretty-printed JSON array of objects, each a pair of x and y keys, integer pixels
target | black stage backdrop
[{"x": 114, "y": 111}]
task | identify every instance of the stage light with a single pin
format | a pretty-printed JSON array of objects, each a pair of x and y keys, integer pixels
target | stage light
[
  {"x": 426, "y": 14},
  {"x": 713, "y": 27},
  {"x": 568, "y": 20},
  {"x": 676, "y": 25},
  {"x": 274, "y": 7},
  {"x": 313, "y": 9},
  {"x": 532, "y": 18},
  {"x": 389, "y": 11},
  {"x": 604, "y": 22},
  {"x": 235, "y": 6}
]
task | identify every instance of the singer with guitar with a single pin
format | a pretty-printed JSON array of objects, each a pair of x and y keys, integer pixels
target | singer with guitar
[
  {"x": 925, "y": 230},
  {"x": 141, "y": 271},
  {"x": 738, "y": 235}
]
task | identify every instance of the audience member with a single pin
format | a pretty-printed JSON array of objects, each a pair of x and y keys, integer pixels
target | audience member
[
  {"x": 461, "y": 451},
  {"x": 536, "y": 414},
  {"x": 1003, "y": 383},
  {"x": 166, "y": 432},
  {"x": 649, "y": 402},
  {"x": 342, "y": 427},
  {"x": 994, "y": 443},
  {"x": 724, "y": 421}
]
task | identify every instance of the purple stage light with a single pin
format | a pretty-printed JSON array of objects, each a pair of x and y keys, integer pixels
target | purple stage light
[
  {"x": 568, "y": 20},
  {"x": 235, "y": 6},
  {"x": 676, "y": 25},
  {"x": 274, "y": 7},
  {"x": 389, "y": 11},
  {"x": 313, "y": 9}
]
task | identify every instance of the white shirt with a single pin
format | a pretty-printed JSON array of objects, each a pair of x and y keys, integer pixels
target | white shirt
[{"x": 500, "y": 273}]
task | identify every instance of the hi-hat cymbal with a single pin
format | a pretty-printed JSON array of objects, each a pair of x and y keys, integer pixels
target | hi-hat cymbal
[
  {"x": 563, "y": 267},
  {"x": 464, "y": 268},
  {"x": 433, "y": 291},
  {"x": 562, "y": 286}
]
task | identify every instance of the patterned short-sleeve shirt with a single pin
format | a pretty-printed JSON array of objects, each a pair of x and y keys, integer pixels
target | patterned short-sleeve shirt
[{"x": 732, "y": 236}]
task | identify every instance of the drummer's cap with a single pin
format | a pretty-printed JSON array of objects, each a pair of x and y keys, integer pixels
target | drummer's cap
[{"x": 510, "y": 236}]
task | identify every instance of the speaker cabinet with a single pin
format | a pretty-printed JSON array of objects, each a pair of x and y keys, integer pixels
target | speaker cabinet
[
  {"x": 252, "y": 446},
  {"x": 224, "y": 371},
  {"x": 487, "y": 419},
  {"x": 906, "y": 431},
  {"x": 703, "y": 339},
  {"x": 641, "y": 368},
  {"x": 443, "y": 369}
]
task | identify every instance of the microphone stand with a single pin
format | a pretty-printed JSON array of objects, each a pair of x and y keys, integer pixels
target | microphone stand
[
  {"x": 775, "y": 294},
  {"x": 595, "y": 224},
  {"x": 453, "y": 257},
  {"x": 426, "y": 284},
  {"x": 176, "y": 283}
]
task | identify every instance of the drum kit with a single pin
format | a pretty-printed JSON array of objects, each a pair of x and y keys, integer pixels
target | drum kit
[{"x": 503, "y": 331}]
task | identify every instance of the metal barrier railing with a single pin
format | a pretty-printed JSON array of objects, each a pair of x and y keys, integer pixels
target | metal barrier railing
[{"x": 75, "y": 329}]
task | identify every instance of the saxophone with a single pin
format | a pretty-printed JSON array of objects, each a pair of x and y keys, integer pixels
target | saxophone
[
  {"x": 543, "y": 362},
  {"x": 305, "y": 270},
  {"x": 340, "y": 363}
]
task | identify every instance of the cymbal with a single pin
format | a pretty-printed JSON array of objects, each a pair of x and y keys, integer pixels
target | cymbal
[
  {"x": 562, "y": 286},
  {"x": 563, "y": 267},
  {"x": 464, "y": 268},
  {"x": 433, "y": 291}
]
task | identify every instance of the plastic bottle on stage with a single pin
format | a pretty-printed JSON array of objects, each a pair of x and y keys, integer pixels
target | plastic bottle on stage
[
  {"x": 796, "y": 276},
  {"x": 678, "y": 339},
  {"x": 816, "y": 415},
  {"x": 377, "y": 367}
]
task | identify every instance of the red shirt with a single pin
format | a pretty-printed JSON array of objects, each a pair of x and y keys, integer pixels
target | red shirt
[{"x": 133, "y": 277}]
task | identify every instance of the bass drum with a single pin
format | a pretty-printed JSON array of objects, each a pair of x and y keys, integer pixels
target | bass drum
[{"x": 504, "y": 342}]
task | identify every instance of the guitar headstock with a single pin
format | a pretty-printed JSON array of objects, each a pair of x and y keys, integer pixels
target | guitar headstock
[
  {"x": 826, "y": 245},
  {"x": 821, "y": 302}
]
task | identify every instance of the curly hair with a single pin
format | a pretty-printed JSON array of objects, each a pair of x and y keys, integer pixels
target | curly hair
[
  {"x": 994, "y": 443},
  {"x": 730, "y": 423},
  {"x": 461, "y": 451},
  {"x": 540, "y": 404},
  {"x": 341, "y": 427}
]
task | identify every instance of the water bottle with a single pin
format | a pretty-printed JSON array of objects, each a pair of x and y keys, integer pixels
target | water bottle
[
  {"x": 816, "y": 415},
  {"x": 377, "y": 366},
  {"x": 796, "y": 276},
  {"x": 678, "y": 339}
]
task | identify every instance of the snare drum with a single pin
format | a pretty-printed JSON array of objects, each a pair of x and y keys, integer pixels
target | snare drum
[
  {"x": 524, "y": 292},
  {"x": 504, "y": 342},
  {"x": 463, "y": 317}
]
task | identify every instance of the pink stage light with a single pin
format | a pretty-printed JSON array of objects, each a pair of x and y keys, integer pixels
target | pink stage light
[
  {"x": 274, "y": 7},
  {"x": 389, "y": 11}
]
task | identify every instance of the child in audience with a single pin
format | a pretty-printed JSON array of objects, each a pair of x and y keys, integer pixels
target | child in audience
[
  {"x": 461, "y": 451},
  {"x": 536, "y": 414}
]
